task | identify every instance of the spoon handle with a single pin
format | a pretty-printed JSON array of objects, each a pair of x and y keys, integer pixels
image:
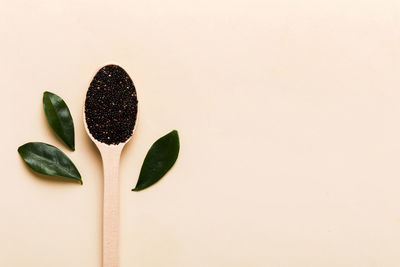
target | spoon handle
[{"x": 111, "y": 208}]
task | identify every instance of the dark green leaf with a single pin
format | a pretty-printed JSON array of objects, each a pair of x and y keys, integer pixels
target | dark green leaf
[
  {"x": 160, "y": 158},
  {"x": 59, "y": 118},
  {"x": 49, "y": 160}
]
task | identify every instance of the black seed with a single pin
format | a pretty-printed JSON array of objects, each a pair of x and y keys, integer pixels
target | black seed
[{"x": 111, "y": 113}]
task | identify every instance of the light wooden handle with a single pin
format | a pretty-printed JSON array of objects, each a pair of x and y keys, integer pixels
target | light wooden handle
[{"x": 111, "y": 208}]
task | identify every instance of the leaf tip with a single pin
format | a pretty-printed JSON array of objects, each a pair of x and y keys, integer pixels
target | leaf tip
[
  {"x": 45, "y": 93},
  {"x": 175, "y": 133},
  {"x": 21, "y": 147}
]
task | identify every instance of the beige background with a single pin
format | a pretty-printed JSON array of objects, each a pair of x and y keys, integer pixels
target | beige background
[{"x": 289, "y": 119}]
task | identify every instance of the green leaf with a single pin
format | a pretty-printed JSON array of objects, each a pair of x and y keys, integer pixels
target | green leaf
[
  {"x": 160, "y": 158},
  {"x": 47, "y": 159},
  {"x": 59, "y": 118}
]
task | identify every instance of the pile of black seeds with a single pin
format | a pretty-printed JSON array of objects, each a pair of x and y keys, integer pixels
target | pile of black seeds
[{"x": 111, "y": 105}]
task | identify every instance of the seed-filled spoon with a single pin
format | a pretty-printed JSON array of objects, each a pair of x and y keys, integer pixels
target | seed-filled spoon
[{"x": 110, "y": 117}]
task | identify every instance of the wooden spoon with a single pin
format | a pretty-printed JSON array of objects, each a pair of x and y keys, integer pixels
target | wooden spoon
[{"x": 110, "y": 118}]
